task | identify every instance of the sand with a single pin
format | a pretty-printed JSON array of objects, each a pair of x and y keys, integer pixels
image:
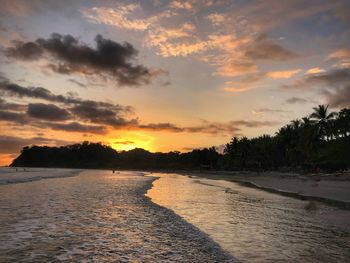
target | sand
[{"x": 329, "y": 188}]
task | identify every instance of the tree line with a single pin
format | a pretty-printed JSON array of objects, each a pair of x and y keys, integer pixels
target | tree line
[{"x": 319, "y": 142}]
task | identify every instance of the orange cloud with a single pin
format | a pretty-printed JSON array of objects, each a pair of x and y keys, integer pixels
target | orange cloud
[
  {"x": 284, "y": 74},
  {"x": 315, "y": 71},
  {"x": 216, "y": 18},
  {"x": 181, "y": 5},
  {"x": 342, "y": 55},
  {"x": 119, "y": 17},
  {"x": 232, "y": 67},
  {"x": 237, "y": 89}
]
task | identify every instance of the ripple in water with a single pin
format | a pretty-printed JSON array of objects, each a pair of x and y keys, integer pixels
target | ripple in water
[
  {"x": 96, "y": 217},
  {"x": 253, "y": 225}
]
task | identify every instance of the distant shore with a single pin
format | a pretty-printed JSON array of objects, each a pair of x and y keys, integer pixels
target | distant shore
[{"x": 333, "y": 189}]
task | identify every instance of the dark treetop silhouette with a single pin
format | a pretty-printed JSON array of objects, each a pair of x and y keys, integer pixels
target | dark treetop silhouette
[{"x": 318, "y": 142}]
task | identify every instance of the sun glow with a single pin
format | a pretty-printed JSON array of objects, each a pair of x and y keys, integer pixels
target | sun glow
[{"x": 131, "y": 140}]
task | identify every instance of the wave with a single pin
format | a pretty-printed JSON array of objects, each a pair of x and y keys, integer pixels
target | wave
[{"x": 23, "y": 174}]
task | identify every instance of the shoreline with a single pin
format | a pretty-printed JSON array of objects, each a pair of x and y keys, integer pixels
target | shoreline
[
  {"x": 325, "y": 188},
  {"x": 208, "y": 242},
  {"x": 115, "y": 210},
  {"x": 13, "y": 176}
]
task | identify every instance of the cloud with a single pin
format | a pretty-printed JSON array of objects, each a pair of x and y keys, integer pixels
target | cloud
[
  {"x": 213, "y": 128},
  {"x": 4, "y": 105},
  {"x": 14, "y": 117},
  {"x": 24, "y": 51},
  {"x": 116, "y": 16},
  {"x": 333, "y": 84},
  {"x": 342, "y": 56},
  {"x": 294, "y": 100},
  {"x": 216, "y": 18},
  {"x": 173, "y": 41},
  {"x": 181, "y": 5},
  {"x": 340, "y": 98},
  {"x": 14, "y": 8},
  {"x": 230, "y": 128},
  {"x": 76, "y": 127},
  {"x": 72, "y": 109},
  {"x": 88, "y": 116},
  {"x": 270, "y": 14},
  {"x": 78, "y": 83},
  {"x": 161, "y": 127},
  {"x": 244, "y": 83},
  {"x": 12, "y": 144},
  {"x": 315, "y": 70},
  {"x": 263, "y": 48},
  {"x": 12, "y": 89},
  {"x": 102, "y": 115},
  {"x": 68, "y": 56},
  {"x": 47, "y": 112},
  {"x": 332, "y": 78},
  {"x": 268, "y": 110},
  {"x": 284, "y": 74},
  {"x": 124, "y": 142}
]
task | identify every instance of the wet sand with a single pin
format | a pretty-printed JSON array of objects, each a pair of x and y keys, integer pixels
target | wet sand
[
  {"x": 331, "y": 189},
  {"x": 255, "y": 225}
]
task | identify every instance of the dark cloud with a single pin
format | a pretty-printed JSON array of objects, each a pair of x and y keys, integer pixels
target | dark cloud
[
  {"x": 341, "y": 98},
  {"x": 4, "y": 105},
  {"x": 214, "y": 128},
  {"x": 103, "y": 115},
  {"x": 77, "y": 83},
  {"x": 25, "y": 51},
  {"x": 14, "y": 117},
  {"x": 76, "y": 127},
  {"x": 11, "y": 89},
  {"x": 161, "y": 127},
  {"x": 11, "y": 144},
  {"x": 124, "y": 142},
  {"x": 90, "y": 116},
  {"x": 334, "y": 78},
  {"x": 294, "y": 100},
  {"x": 108, "y": 59},
  {"x": 25, "y": 119},
  {"x": 333, "y": 84},
  {"x": 264, "y": 48},
  {"x": 74, "y": 109},
  {"x": 47, "y": 112},
  {"x": 253, "y": 124},
  {"x": 268, "y": 110}
]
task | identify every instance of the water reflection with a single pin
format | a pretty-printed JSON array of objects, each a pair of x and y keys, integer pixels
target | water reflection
[
  {"x": 97, "y": 216},
  {"x": 253, "y": 225}
]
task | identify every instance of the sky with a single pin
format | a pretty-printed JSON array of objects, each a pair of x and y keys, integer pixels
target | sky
[{"x": 166, "y": 75}]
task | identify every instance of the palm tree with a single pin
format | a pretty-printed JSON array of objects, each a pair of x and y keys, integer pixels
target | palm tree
[
  {"x": 323, "y": 119},
  {"x": 342, "y": 123}
]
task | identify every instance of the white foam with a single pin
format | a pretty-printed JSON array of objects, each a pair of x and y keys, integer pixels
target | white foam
[{"x": 23, "y": 174}]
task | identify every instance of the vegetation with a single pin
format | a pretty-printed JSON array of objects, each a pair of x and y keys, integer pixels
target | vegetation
[{"x": 318, "y": 142}]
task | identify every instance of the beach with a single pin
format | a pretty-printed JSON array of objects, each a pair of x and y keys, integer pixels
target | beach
[
  {"x": 256, "y": 225},
  {"x": 65, "y": 215},
  {"x": 96, "y": 216},
  {"x": 333, "y": 189}
]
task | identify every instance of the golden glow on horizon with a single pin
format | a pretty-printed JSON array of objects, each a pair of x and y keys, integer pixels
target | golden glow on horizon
[{"x": 130, "y": 140}]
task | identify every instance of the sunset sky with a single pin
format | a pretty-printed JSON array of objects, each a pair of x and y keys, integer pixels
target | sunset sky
[{"x": 166, "y": 75}]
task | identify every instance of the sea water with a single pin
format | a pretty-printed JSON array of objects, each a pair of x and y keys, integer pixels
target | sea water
[
  {"x": 94, "y": 216},
  {"x": 256, "y": 226}
]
